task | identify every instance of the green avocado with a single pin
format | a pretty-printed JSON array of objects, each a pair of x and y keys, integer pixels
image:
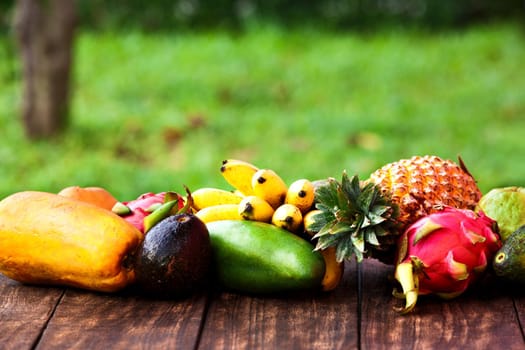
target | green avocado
[
  {"x": 509, "y": 261},
  {"x": 256, "y": 257},
  {"x": 174, "y": 258}
]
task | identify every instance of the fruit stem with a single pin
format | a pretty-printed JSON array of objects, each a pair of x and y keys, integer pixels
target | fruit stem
[
  {"x": 405, "y": 276},
  {"x": 188, "y": 205}
]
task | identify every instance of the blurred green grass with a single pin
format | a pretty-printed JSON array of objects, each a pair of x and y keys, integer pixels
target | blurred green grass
[{"x": 154, "y": 112}]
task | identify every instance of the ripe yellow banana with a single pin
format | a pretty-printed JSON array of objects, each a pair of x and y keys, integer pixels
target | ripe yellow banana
[
  {"x": 301, "y": 193},
  {"x": 219, "y": 212},
  {"x": 239, "y": 193},
  {"x": 288, "y": 216},
  {"x": 334, "y": 270},
  {"x": 256, "y": 209},
  {"x": 209, "y": 196},
  {"x": 308, "y": 220},
  {"x": 239, "y": 173},
  {"x": 269, "y": 186}
]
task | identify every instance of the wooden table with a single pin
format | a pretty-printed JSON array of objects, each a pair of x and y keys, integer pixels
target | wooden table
[{"x": 490, "y": 316}]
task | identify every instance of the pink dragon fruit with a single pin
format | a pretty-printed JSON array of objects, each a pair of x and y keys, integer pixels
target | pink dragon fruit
[
  {"x": 144, "y": 205},
  {"x": 443, "y": 253}
]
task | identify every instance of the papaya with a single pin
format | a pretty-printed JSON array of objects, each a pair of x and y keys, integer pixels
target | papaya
[
  {"x": 257, "y": 257},
  {"x": 50, "y": 239},
  {"x": 94, "y": 195}
]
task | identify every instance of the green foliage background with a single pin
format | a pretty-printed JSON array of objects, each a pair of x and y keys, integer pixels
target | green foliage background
[
  {"x": 355, "y": 14},
  {"x": 152, "y": 111}
]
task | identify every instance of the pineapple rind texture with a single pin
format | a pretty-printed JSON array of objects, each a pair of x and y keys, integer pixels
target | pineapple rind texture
[{"x": 421, "y": 184}]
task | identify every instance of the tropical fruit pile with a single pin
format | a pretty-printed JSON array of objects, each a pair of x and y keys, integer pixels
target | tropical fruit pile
[
  {"x": 260, "y": 213},
  {"x": 259, "y": 234}
]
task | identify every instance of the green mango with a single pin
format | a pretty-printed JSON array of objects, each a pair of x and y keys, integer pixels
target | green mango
[
  {"x": 509, "y": 261},
  {"x": 256, "y": 257}
]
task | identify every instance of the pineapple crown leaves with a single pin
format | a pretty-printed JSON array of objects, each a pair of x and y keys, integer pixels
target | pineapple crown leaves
[{"x": 354, "y": 216}]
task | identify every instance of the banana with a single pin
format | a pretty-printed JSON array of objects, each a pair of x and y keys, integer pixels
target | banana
[
  {"x": 301, "y": 193},
  {"x": 269, "y": 186},
  {"x": 209, "y": 196},
  {"x": 239, "y": 173},
  {"x": 256, "y": 209},
  {"x": 334, "y": 270},
  {"x": 288, "y": 216},
  {"x": 219, "y": 212},
  {"x": 239, "y": 193},
  {"x": 308, "y": 221}
]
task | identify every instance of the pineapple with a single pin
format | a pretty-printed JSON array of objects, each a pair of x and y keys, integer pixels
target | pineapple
[
  {"x": 420, "y": 185},
  {"x": 365, "y": 218}
]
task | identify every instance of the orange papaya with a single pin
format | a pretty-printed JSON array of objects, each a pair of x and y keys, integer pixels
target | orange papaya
[
  {"x": 50, "y": 239},
  {"x": 94, "y": 195}
]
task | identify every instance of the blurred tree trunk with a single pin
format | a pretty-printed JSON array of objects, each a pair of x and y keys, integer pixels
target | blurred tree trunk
[{"x": 44, "y": 32}]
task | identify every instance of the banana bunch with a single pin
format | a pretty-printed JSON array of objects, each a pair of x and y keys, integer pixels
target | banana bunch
[
  {"x": 262, "y": 195},
  {"x": 259, "y": 195}
]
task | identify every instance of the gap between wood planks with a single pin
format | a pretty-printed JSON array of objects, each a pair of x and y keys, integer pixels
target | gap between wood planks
[
  {"x": 204, "y": 318},
  {"x": 51, "y": 314},
  {"x": 518, "y": 318}
]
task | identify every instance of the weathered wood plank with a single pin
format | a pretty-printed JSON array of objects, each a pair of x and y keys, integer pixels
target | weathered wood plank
[
  {"x": 482, "y": 318},
  {"x": 24, "y": 312},
  {"x": 518, "y": 296},
  {"x": 306, "y": 321},
  {"x": 490, "y": 316},
  {"x": 86, "y": 320}
]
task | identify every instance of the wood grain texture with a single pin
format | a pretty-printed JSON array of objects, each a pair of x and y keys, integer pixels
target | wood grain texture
[
  {"x": 517, "y": 291},
  {"x": 86, "y": 320},
  {"x": 482, "y": 318},
  {"x": 24, "y": 312},
  {"x": 305, "y": 321},
  {"x": 491, "y": 315}
]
